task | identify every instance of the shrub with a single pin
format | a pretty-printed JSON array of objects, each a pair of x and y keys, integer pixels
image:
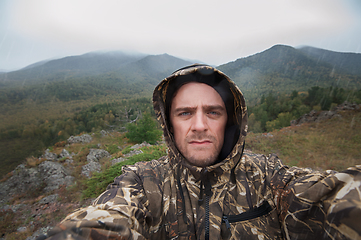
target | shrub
[
  {"x": 144, "y": 130},
  {"x": 99, "y": 181}
]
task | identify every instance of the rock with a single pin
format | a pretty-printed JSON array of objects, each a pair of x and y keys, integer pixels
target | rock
[
  {"x": 132, "y": 153},
  {"x": 96, "y": 154},
  {"x": 22, "y": 180},
  {"x": 117, "y": 160},
  {"x": 85, "y": 138},
  {"x": 267, "y": 135},
  {"x": 49, "y": 155},
  {"x": 103, "y": 133},
  {"x": 93, "y": 164},
  {"x": 314, "y": 116},
  {"x": 22, "y": 229},
  {"x": 64, "y": 154},
  {"x": 54, "y": 175},
  {"x": 143, "y": 144},
  {"x": 45, "y": 177},
  {"x": 39, "y": 232},
  {"x": 324, "y": 115},
  {"x": 49, "y": 199},
  {"x": 16, "y": 207},
  {"x": 89, "y": 168}
]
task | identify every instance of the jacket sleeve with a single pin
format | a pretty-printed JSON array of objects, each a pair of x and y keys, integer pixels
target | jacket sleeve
[
  {"x": 317, "y": 205},
  {"x": 118, "y": 213}
]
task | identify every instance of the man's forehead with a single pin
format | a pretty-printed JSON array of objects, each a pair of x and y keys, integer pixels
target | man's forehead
[{"x": 193, "y": 93}]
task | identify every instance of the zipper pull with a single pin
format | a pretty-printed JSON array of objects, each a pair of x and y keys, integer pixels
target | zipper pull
[{"x": 225, "y": 219}]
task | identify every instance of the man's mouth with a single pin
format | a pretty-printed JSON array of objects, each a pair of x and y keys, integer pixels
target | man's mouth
[{"x": 200, "y": 142}]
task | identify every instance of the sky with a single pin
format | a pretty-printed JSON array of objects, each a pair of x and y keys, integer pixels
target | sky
[{"x": 212, "y": 32}]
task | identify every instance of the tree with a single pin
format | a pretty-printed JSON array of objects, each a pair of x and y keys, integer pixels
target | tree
[{"x": 145, "y": 129}]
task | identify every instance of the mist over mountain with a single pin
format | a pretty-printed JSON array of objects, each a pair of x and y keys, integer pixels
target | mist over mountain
[
  {"x": 51, "y": 99},
  {"x": 284, "y": 68},
  {"x": 349, "y": 63},
  {"x": 280, "y": 68},
  {"x": 89, "y": 64}
]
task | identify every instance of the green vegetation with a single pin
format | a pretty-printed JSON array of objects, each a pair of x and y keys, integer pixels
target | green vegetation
[
  {"x": 32, "y": 133},
  {"x": 331, "y": 144},
  {"x": 99, "y": 181},
  {"x": 275, "y": 112},
  {"x": 144, "y": 129}
]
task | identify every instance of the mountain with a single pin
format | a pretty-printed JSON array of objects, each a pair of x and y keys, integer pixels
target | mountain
[
  {"x": 152, "y": 68},
  {"x": 280, "y": 69},
  {"x": 349, "y": 63},
  {"x": 284, "y": 68},
  {"x": 86, "y": 76},
  {"x": 89, "y": 64}
]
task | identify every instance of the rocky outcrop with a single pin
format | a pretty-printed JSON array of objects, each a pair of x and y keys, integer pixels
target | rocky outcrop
[
  {"x": 85, "y": 138},
  {"x": 93, "y": 164},
  {"x": 315, "y": 116},
  {"x": 44, "y": 178},
  {"x": 35, "y": 189}
]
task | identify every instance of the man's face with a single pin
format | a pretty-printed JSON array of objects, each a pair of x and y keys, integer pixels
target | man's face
[{"x": 198, "y": 119}]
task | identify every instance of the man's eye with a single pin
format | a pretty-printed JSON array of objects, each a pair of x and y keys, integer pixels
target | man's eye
[
  {"x": 213, "y": 113},
  {"x": 184, "y": 114}
]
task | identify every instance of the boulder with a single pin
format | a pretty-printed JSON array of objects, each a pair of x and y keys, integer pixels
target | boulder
[
  {"x": 117, "y": 160},
  {"x": 85, "y": 138},
  {"x": 49, "y": 155},
  {"x": 49, "y": 199},
  {"x": 143, "y": 144},
  {"x": 90, "y": 167},
  {"x": 45, "y": 177},
  {"x": 96, "y": 154},
  {"x": 65, "y": 154},
  {"x": 132, "y": 153},
  {"x": 93, "y": 164},
  {"x": 53, "y": 174}
]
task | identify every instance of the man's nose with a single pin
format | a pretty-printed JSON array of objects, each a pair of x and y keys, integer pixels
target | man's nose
[{"x": 199, "y": 122}]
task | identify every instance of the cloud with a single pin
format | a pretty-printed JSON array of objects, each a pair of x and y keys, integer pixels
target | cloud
[{"x": 211, "y": 31}]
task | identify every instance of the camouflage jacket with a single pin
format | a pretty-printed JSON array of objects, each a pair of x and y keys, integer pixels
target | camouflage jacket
[{"x": 244, "y": 196}]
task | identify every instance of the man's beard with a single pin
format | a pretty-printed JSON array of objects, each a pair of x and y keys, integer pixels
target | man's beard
[{"x": 205, "y": 160}]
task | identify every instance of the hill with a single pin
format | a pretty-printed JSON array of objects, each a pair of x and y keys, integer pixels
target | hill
[
  {"x": 89, "y": 64},
  {"x": 57, "y": 182},
  {"x": 348, "y": 63},
  {"x": 284, "y": 68},
  {"x": 280, "y": 69},
  {"x": 83, "y": 77},
  {"x": 49, "y": 100}
]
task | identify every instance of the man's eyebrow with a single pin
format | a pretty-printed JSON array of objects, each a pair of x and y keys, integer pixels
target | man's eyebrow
[
  {"x": 205, "y": 107},
  {"x": 214, "y": 107},
  {"x": 182, "y": 109}
]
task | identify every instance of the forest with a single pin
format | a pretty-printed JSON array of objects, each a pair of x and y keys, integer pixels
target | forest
[
  {"x": 31, "y": 137},
  {"x": 45, "y": 103}
]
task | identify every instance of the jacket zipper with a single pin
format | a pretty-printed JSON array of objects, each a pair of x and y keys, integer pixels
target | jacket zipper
[
  {"x": 208, "y": 192},
  {"x": 207, "y": 219}
]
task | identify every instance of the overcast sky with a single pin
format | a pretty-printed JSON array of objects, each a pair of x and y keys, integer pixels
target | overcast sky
[{"x": 214, "y": 32}]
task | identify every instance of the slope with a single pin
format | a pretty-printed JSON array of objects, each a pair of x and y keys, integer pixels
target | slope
[
  {"x": 348, "y": 63},
  {"x": 283, "y": 69}
]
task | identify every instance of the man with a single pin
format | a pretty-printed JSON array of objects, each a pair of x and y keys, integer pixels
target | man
[{"x": 207, "y": 188}]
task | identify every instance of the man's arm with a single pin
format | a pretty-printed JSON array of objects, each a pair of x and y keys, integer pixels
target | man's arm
[
  {"x": 118, "y": 212},
  {"x": 316, "y": 204}
]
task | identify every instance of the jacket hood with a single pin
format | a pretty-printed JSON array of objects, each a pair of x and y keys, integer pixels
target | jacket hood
[{"x": 236, "y": 129}]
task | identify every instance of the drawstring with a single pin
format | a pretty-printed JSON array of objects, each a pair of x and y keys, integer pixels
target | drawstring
[
  {"x": 185, "y": 219},
  {"x": 248, "y": 192},
  {"x": 205, "y": 186}
]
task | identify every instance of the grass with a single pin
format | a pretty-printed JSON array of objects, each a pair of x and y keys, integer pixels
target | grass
[
  {"x": 99, "y": 181},
  {"x": 333, "y": 144}
]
